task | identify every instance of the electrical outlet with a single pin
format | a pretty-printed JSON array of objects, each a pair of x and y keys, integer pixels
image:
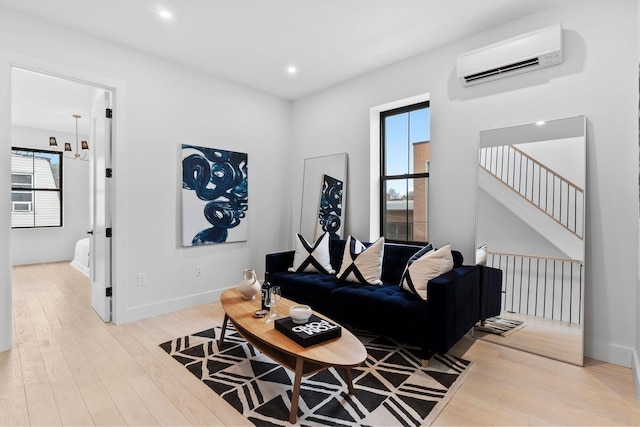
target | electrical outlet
[
  {"x": 142, "y": 279},
  {"x": 198, "y": 270}
]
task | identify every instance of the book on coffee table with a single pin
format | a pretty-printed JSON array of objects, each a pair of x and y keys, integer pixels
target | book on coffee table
[{"x": 315, "y": 331}]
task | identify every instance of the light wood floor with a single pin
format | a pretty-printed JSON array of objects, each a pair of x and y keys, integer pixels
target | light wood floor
[
  {"x": 547, "y": 337},
  {"x": 68, "y": 368}
]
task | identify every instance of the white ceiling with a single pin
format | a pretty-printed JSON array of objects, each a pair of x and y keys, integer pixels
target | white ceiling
[
  {"x": 252, "y": 42},
  {"x": 44, "y": 102}
]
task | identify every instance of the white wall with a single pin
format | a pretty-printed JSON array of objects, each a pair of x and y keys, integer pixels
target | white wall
[
  {"x": 5, "y": 214},
  {"x": 503, "y": 231},
  {"x": 34, "y": 245},
  {"x": 337, "y": 119},
  {"x": 160, "y": 105},
  {"x": 636, "y": 351},
  {"x": 566, "y": 157}
]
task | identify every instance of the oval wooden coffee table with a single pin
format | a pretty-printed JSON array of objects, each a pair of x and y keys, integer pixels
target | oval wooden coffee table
[{"x": 344, "y": 352}]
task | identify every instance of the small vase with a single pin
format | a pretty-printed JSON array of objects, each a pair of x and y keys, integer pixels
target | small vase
[{"x": 249, "y": 286}]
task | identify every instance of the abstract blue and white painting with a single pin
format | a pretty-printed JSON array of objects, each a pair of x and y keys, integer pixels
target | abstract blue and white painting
[
  {"x": 215, "y": 199},
  {"x": 330, "y": 210}
]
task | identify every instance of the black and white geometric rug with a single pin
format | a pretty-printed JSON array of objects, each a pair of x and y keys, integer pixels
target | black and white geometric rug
[
  {"x": 391, "y": 388},
  {"x": 500, "y": 326}
]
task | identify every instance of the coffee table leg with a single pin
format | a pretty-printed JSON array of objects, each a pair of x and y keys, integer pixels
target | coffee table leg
[
  {"x": 349, "y": 380},
  {"x": 224, "y": 329},
  {"x": 293, "y": 415}
]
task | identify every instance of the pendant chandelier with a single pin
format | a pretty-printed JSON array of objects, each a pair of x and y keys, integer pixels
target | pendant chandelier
[{"x": 67, "y": 146}]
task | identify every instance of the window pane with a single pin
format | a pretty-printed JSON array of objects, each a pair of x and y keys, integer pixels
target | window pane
[
  {"x": 22, "y": 207},
  {"x": 420, "y": 205},
  {"x": 42, "y": 167},
  {"x": 47, "y": 208},
  {"x": 421, "y": 156},
  {"x": 46, "y": 168},
  {"x": 21, "y": 181},
  {"x": 396, "y": 137},
  {"x": 419, "y": 125},
  {"x": 21, "y": 196},
  {"x": 397, "y": 210}
]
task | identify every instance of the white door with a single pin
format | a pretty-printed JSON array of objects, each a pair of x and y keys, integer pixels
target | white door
[{"x": 100, "y": 252}]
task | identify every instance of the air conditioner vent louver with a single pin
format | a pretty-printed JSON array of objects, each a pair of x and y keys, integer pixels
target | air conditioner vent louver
[
  {"x": 527, "y": 52},
  {"x": 505, "y": 69}
]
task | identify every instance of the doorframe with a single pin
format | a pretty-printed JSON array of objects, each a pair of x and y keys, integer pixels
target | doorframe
[{"x": 117, "y": 87}]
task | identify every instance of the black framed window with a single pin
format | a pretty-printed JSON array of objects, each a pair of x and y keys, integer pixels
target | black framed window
[
  {"x": 404, "y": 173},
  {"x": 36, "y": 188}
]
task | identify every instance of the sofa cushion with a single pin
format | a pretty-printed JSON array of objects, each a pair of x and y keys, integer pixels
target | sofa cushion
[
  {"x": 426, "y": 267},
  {"x": 385, "y": 308},
  {"x": 312, "y": 258},
  {"x": 307, "y": 288},
  {"x": 362, "y": 264}
]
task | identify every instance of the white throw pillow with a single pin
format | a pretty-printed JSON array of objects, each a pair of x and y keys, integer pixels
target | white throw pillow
[
  {"x": 429, "y": 266},
  {"x": 312, "y": 258},
  {"x": 360, "y": 264},
  {"x": 481, "y": 255}
]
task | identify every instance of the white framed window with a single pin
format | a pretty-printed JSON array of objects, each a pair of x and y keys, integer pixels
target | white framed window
[
  {"x": 36, "y": 188},
  {"x": 404, "y": 173}
]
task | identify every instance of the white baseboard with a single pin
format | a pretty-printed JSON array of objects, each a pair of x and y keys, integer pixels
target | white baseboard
[
  {"x": 609, "y": 353},
  {"x": 163, "y": 307},
  {"x": 635, "y": 369}
]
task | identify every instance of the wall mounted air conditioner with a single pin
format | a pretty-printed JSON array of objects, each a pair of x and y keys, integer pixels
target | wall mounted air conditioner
[{"x": 527, "y": 52}]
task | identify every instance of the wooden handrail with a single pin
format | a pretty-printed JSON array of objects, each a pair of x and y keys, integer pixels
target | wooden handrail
[
  {"x": 577, "y": 261},
  {"x": 554, "y": 176},
  {"x": 542, "y": 165},
  {"x": 535, "y": 205}
]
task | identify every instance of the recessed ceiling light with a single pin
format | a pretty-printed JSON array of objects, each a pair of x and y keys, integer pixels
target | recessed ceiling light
[
  {"x": 165, "y": 14},
  {"x": 292, "y": 69}
]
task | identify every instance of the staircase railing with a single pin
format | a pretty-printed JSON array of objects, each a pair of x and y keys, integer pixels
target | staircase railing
[
  {"x": 541, "y": 286},
  {"x": 556, "y": 196}
]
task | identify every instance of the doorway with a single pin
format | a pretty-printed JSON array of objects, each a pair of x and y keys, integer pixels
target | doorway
[{"x": 58, "y": 114}]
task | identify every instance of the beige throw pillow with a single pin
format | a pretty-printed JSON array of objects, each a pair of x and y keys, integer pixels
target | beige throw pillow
[
  {"x": 427, "y": 267},
  {"x": 360, "y": 264}
]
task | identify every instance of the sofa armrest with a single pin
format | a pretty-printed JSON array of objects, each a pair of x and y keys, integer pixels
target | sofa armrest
[
  {"x": 280, "y": 261},
  {"x": 490, "y": 291},
  {"x": 454, "y": 301}
]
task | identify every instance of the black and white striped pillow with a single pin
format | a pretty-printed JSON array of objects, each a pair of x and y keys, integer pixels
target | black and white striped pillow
[
  {"x": 312, "y": 258},
  {"x": 361, "y": 264}
]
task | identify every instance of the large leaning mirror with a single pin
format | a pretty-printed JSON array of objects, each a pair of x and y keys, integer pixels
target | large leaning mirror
[
  {"x": 530, "y": 225},
  {"x": 323, "y": 196}
]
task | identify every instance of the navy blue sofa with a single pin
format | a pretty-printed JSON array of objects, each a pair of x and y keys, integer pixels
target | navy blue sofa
[{"x": 453, "y": 303}]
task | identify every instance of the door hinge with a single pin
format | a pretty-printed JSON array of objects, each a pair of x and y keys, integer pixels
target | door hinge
[
  {"x": 108, "y": 291},
  {"x": 109, "y": 232},
  {"x": 109, "y": 113},
  {"x": 109, "y": 172}
]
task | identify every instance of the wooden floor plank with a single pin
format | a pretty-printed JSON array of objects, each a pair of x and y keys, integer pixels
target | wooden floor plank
[
  {"x": 10, "y": 371},
  {"x": 67, "y": 367},
  {"x": 13, "y": 408},
  {"x": 39, "y": 396}
]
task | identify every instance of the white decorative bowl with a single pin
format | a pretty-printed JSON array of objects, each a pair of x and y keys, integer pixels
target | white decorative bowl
[{"x": 300, "y": 313}]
